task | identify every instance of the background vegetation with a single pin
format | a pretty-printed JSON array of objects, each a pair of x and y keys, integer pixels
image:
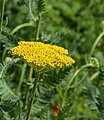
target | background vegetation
[{"x": 77, "y": 25}]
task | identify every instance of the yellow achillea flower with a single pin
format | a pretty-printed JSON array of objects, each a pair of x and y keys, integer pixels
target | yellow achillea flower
[{"x": 43, "y": 55}]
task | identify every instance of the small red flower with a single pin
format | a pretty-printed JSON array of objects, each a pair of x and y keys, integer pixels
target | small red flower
[
  {"x": 56, "y": 105},
  {"x": 56, "y": 109}
]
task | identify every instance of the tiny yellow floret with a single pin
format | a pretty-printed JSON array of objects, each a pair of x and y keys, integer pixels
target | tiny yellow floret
[{"x": 43, "y": 55}]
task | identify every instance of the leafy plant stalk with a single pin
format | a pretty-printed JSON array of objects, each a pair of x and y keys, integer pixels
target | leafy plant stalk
[
  {"x": 4, "y": 53},
  {"x": 94, "y": 76},
  {"x": 37, "y": 27},
  {"x": 28, "y": 90},
  {"x": 32, "y": 96},
  {"x": 21, "y": 26},
  {"x": 30, "y": 10},
  {"x": 71, "y": 81},
  {"x": 96, "y": 42},
  {"x": 30, "y": 74},
  {"x": 1, "y": 23},
  {"x": 22, "y": 77},
  {"x": 2, "y": 14}
]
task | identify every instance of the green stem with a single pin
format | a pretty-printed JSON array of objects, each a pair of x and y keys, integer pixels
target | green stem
[
  {"x": 4, "y": 53},
  {"x": 30, "y": 102},
  {"x": 79, "y": 82},
  {"x": 30, "y": 74},
  {"x": 59, "y": 91},
  {"x": 28, "y": 90},
  {"x": 71, "y": 81},
  {"x": 96, "y": 42},
  {"x": 1, "y": 23},
  {"x": 37, "y": 27},
  {"x": 26, "y": 98},
  {"x": 22, "y": 77},
  {"x": 30, "y": 10},
  {"x": 2, "y": 14},
  {"x": 90, "y": 79},
  {"x": 94, "y": 76},
  {"x": 21, "y": 26}
]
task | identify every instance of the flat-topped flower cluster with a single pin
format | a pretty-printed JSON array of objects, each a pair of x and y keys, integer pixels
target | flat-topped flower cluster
[{"x": 43, "y": 55}]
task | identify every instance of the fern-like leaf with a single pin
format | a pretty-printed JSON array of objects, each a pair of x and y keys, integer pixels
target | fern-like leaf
[
  {"x": 5, "y": 91},
  {"x": 9, "y": 40},
  {"x": 4, "y": 66},
  {"x": 41, "y": 6},
  {"x": 5, "y": 116}
]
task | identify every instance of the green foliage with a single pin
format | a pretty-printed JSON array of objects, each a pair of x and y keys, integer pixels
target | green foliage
[
  {"x": 8, "y": 40},
  {"x": 76, "y": 25},
  {"x": 5, "y": 91},
  {"x": 40, "y": 6}
]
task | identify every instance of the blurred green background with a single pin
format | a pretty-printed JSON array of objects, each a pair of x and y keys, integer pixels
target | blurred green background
[{"x": 74, "y": 25}]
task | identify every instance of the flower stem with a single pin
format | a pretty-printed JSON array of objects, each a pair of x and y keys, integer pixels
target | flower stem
[
  {"x": 96, "y": 42},
  {"x": 37, "y": 27},
  {"x": 27, "y": 89},
  {"x": 22, "y": 77},
  {"x": 94, "y": 76},
  {"x": 72, "y": 79},
  {"x": 30, "y": 74},
  {"x": 32, "y": 96},
  {"x": 21, "y": 26},
  {"x": 2, "y": 14},
  {"x": 30, "y": 11},
  {"x": 4, "y": 53},
  {"x": 1, "y": 23}
]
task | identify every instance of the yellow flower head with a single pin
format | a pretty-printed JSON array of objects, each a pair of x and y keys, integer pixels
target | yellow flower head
[{"x": 43, "y": 55}]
